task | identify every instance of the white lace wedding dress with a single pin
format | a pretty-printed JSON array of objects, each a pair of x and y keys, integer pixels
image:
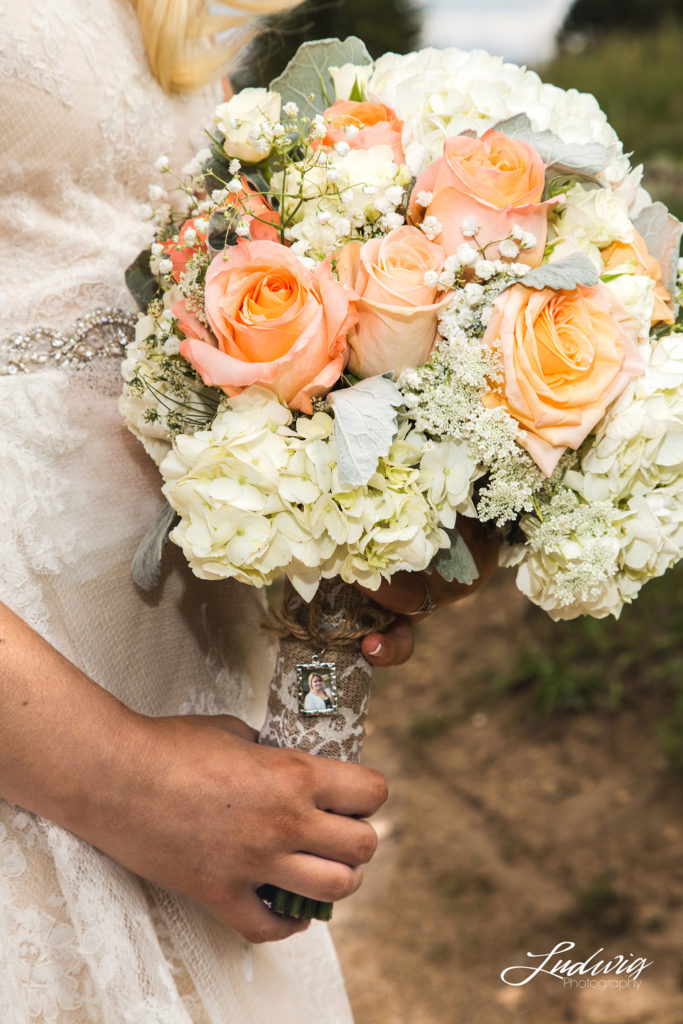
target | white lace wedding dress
[{"x": 81, "y": 939}]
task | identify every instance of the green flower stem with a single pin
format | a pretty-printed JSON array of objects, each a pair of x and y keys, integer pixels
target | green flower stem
[{"x": 289, "y": 904}]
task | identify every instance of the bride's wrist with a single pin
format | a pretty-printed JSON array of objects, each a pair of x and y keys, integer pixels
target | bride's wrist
[{"x": 93, "y": 788}]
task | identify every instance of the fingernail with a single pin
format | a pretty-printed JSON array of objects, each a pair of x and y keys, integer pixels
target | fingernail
[{"x": 377, "y": 649}]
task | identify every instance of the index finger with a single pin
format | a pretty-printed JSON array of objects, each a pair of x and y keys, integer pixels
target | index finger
[{"x": 351, "y": 789}]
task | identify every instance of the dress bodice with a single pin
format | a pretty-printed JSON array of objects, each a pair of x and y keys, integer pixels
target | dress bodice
[{"x": 82, "y": 123}]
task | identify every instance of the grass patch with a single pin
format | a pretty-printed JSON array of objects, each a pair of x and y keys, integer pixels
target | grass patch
[
  {"x": 601, "y": 908},
  {"x": 589, "y": 663}
]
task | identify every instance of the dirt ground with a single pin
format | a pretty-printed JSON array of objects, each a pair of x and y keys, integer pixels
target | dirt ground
[{"x": 506, "y": 834}]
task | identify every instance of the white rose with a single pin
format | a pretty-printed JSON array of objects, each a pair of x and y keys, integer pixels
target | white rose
[
  {"x": 242, "y": 119},
  {"x": 346, "y": 76}
]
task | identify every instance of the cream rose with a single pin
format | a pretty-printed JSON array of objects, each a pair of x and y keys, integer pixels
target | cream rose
[
  {"x": 275, "y": 322},
  {"x": 397, "y": 311},
  {"x": 566, "y": 356},
  {"x": 242, "y": 117}
]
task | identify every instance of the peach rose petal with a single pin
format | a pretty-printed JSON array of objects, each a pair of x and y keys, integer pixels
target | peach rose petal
[
  {"x": 376, "y": 124},
  {"x": 494, "y": 224},
  {"x": 190, "y": 325}
]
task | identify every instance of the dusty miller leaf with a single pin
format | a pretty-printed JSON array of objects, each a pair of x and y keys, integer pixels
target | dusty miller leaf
[
  {"x": 307, "y": 73},
  {"x": 662, "y": 234},
  {"x": 146, "y": 564},
  {"x": 564, "y": 275},
  {"x": 365, "y": 425},
  {"x": 455, "y": 562}
]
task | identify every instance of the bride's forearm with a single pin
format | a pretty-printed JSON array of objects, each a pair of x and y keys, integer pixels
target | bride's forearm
[{"x": 63, "y": 739}]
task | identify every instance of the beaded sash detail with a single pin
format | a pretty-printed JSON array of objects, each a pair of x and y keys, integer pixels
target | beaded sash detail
[{"x": 104, "y": 332}]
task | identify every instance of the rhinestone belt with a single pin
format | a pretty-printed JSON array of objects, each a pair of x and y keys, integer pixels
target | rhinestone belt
[{"x": 104, "y": 332}]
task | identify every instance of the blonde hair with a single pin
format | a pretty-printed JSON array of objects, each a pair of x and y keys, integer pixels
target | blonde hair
[{"x": 179, "y": 37}]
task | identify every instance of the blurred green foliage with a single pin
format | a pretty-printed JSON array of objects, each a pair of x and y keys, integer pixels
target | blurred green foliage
[
  {"x": 638, "y": 81},
  {"x": 598, "y": 17},
  {"x": 588, "y": 663}
]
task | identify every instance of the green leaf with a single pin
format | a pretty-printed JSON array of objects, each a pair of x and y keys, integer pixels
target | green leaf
[
  {"x": 455, "y": 562},
  {"x": 358, "y": 92},
  {"x": 221, "y": 232},
  {"x": 365, "y": 424},
  {"x": 307, "y": 73},
  {"x": 216, "y": 170},
  {"x": 141, "y": 282}
]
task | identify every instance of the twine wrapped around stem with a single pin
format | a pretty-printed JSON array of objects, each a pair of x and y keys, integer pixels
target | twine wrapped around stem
[{"x": 320, "y": 638}]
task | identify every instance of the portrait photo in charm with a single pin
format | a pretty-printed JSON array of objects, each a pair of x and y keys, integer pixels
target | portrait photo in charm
[{"x": 317, "y": 686}]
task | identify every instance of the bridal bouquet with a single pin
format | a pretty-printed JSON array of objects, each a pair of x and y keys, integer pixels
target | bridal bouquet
[{"x": 398, "y": 292}]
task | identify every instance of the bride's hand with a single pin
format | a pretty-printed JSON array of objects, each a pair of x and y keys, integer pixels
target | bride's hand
[
  {"x": 192, "y": 803},
  {"x": 407, "y": 591},
  {"x": 214, "y": 815}
]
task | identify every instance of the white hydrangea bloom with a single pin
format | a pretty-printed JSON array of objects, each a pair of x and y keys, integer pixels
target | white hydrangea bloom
[
  {"x": 259, "y": 497},
  {"x": 440, "y": 93}
]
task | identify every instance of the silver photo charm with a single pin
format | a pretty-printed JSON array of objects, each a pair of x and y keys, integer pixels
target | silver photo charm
[{"x": 317, "y": 686}]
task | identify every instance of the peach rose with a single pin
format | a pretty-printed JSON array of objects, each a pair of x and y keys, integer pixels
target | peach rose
[
  {"x": 179, "y": 252},
  {"x": 377, "y": 124},
  {"x": 645, "y": 264},
  {"x": 496, "y": 181},
  {"x": 566, "y": 356},
  {"x": 397, "y": 311},
  {"x": 275, "y": 323},
  {"x": 261, "y": 219}
]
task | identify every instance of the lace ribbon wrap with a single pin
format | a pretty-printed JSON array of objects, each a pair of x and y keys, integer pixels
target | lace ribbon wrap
[
  {"x": 324, "y": 635},
  {"x": 320, "y": 639}
]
